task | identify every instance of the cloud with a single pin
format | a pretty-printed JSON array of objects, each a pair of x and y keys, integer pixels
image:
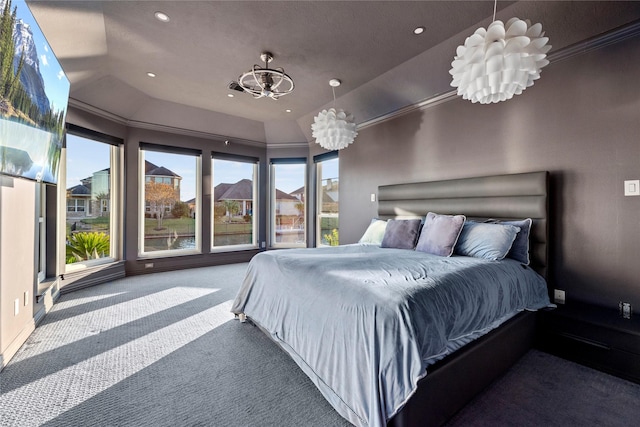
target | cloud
[
  {"x": 60, "y": 75},
  {"x": 46, "y": 48},
  {"x": 44, "y": 60}
]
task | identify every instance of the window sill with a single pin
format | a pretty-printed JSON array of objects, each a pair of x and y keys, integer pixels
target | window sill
[
  {"x": 235, "y": 248},
  {"x": 80, "y": 266}
]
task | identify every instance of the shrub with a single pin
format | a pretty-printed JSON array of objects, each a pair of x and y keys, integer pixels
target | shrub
[
  {"x": 332, "y": 238},
  {"x": 180, "y": 209},
  {"x": 84, "y": 246}
]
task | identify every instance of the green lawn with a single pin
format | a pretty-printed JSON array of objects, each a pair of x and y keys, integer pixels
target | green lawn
[{"x": 182, "y": 226}]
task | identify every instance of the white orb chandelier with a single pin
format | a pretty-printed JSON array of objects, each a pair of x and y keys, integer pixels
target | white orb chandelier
[
  {"x": 265, "y": 82},
  {"x": 502, "y": 61},
  {"x": 333, "y": 129}
]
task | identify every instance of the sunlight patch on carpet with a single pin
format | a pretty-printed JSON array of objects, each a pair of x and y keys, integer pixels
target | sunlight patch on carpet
[{"x": 61, "y": 391}]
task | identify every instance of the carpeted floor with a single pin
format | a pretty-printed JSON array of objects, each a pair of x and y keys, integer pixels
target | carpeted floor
[{"x": 163, "y": 350}]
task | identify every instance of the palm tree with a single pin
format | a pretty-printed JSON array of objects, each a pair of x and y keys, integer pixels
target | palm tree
[{"x": 232, "y": 207}]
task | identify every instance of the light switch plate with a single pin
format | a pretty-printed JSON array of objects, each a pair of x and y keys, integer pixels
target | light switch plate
[
  {"x": 558, "y": 296},
  {"x": 632, "y": 188},
  {"x": 373, "y": 197}
]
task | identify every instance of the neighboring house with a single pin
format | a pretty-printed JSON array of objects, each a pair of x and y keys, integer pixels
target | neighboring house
[
  {"x": 298, "y": 194},
  {"x": 192, "y": 207},
  {"x": 91, "y": 198},
  {"x": 330, "y": 191},
  {"x": 242, "y": 192},
  {"x": 78, "y": 201},
  {"x": 162, "y": 175}
]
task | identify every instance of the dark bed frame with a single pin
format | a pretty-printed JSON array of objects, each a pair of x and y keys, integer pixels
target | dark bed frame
[{"x": 455, "y": 380}]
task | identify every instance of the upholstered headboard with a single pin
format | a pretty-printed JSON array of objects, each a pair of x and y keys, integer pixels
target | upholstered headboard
[{"x": 514, "y": 196}]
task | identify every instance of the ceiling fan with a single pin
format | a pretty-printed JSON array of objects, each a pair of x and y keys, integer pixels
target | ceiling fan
[{"x": 264, "y": 81}]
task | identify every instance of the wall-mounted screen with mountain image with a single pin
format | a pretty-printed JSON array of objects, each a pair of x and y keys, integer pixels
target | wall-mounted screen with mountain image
[{"x": 34, "y": 92}]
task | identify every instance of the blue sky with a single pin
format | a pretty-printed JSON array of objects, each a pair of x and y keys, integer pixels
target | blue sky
[
  {"x": 84, "y": 157},
  {"x": 56, "y": 84}
]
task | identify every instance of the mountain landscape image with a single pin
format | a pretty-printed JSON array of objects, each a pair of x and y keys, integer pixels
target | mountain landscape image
[{"x": 33, "y": 95}]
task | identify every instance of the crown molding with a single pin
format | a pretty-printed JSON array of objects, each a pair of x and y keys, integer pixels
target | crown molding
[
  {"x": 287, "y": 145},
  {"x": 195, "y": 133},
  {"x": 160, "y": 128},
  {"x": 602, "y": 40}
]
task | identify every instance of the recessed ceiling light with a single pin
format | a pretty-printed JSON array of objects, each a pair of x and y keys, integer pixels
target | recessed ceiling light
[
  {"x": 288, "y": 110},
  {"x": 162, "y": 17},
  {"x": 150, "y": 74},
  {"x": 230, "y": 95},
  {"x": 419, "y": 30}
]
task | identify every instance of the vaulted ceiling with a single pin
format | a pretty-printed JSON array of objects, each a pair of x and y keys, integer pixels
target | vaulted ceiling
[{"x": 107, "y": 48}]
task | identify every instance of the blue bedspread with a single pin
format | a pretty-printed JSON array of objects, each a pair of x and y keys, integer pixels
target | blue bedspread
[{"x": 364, "y": 323}]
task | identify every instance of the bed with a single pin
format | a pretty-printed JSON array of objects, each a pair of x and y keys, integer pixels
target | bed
[{"x": 382, "y": 331}]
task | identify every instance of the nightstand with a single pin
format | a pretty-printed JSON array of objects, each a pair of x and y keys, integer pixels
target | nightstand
[{"x": 593, "y": 336}]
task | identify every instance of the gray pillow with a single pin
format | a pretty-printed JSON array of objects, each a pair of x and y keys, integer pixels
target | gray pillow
[
  {"x": 486, "y": 240},
  {"x": 401, "y": 233},
  {"x": 440, "y": 233},
  {"x": 520, "y": 247}
]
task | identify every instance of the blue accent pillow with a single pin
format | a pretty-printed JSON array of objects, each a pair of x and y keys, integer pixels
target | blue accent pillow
[
  {"x": 401, "y": 233},
  {"x": 520, "y": 248},
  {"x": 486, "y": 240},
  {"x": 374, "y": 233},
  {"x": 440, "y": 233}
]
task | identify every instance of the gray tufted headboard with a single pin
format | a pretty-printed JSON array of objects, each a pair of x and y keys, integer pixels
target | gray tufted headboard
[{"x": 514, "y": 196}]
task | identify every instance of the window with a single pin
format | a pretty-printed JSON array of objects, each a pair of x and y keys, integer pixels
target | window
[
  {"x": 234, "y": 200},
  {"x": 92, "y": 164},
  {"x": 327, "y": 172},
  {"x": 288, "y": 202},
  {"x": 169, "y": 220},
  {"x": 75, "y": 205}
]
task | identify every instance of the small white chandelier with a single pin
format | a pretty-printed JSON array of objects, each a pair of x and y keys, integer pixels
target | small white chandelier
[
  {"x": 265, "y": 82},
  {"x": 333, "y": 129},
  {"x": 497, "y": 63}
]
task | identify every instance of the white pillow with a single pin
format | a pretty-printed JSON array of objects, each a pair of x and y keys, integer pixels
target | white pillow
[{"x": 374, "y": 233}]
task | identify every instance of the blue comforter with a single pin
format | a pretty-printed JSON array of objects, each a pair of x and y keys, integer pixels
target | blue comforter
[{"x": 364, "y": 323}]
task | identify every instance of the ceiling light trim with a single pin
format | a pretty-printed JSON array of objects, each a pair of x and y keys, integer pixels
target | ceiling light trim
[{"x": 161, "y": 16}]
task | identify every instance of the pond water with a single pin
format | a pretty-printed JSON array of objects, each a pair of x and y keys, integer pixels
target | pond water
[{"x": 189, "y": 242}]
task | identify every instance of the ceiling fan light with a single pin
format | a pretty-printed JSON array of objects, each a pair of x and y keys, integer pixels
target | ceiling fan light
[{"x": 265, "y": 82}]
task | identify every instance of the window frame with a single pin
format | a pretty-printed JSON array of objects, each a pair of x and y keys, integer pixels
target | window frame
[
  {"x": 143, "y": 209},
  {"x": 116, "y": 157},
  {"x": 318, "y": 160},
  {"x": 255, "y": 217},
  {"x": 273, "y": 205}
]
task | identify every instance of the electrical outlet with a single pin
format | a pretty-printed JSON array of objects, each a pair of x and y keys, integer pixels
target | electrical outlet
[
  {"x": 264, "y": 245},
  {"x": 148, "y": 265},
  {"x": 558, "y": 296}
]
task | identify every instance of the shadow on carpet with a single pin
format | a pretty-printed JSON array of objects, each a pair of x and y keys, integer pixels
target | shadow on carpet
[{"x": 544, "y": 390}]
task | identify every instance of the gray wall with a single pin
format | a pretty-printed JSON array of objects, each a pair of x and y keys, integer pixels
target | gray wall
[{"x": 580, "y": 121}]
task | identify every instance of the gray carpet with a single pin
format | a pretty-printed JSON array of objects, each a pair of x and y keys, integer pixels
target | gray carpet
[{"x": 163, "y": 350}]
